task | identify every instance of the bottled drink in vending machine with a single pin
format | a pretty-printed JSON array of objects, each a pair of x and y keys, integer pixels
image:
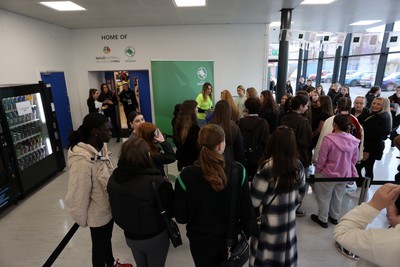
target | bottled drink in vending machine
[{"x": 34, "y": 112}]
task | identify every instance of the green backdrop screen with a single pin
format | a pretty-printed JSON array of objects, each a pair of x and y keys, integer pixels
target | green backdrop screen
[{"x": 175, "y": 82}]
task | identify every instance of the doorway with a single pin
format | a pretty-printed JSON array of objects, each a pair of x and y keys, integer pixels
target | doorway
[{"x": 138, "y": 81}]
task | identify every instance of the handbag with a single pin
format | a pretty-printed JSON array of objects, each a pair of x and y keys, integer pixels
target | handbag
[
  {"x": 172, "y": 227},
  {"x": 238, "y": 255}
]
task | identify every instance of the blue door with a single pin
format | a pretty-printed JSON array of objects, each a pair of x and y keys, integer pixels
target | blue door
[
  {"x": 144, "y": 91},
  {"x": 61, "y": 103}
]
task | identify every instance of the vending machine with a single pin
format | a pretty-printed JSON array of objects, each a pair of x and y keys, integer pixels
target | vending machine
[
  {"x": 9, "y": 188},
  {"x": 30, "y": 132}
]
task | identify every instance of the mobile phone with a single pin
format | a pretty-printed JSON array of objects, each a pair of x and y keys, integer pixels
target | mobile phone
[{"x": 156, "y": 133}]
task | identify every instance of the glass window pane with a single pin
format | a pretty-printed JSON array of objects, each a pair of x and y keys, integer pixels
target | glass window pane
[
  {"x": 365, "y": 68},
  {"x": 392, "y": 73},
  {"x": 395, "y": 29}
]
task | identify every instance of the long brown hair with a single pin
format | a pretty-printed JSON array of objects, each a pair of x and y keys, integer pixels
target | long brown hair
[
  {"x": 269, "y": 101},
  {"x": 222, "y": 118},
  {"x": 252, "y": 92},
  {"x": 226, "y": 95},
  {"x": 204, "y": 89},
  {"x": 282, "y": 150},
  {"x": 146, "y": 131},
  {"x": 210, "y": 161},
  {"x": 185, "y": 119},
  {"x": 92, "y": 91},
  {"x": 326, "y": 105}
]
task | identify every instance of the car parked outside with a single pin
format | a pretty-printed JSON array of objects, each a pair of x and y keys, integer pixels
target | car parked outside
[
  {"x": 313, "y": 76},
  {"x": 326, "y": 78},
  {"x": 355, "y": 78},
  {"x": 367, "y": 80},
  {"x": 350, "y": 72},
  {"x": 391, "y": 81}
]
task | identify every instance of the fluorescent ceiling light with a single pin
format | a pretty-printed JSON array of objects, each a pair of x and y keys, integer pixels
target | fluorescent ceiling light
[
  {"x": 316, "y": 2},
  {"x": 63, "y": 5},
  {"x": 187, "y": 3},
  {"x": 365, "y": 22}
]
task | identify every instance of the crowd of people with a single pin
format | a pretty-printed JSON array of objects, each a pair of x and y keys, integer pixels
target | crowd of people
[
  {"x": 106, "y": 102},
  {"x": 265, "y": 149}
]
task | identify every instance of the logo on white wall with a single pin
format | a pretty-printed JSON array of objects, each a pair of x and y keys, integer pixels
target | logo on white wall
[
  {"x": 202, "y": 73},
  {"x": 130, "y": 51},
  {"x": 106, "y": 50}
]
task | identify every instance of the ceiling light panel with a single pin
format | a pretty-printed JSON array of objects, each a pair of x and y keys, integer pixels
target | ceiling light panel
[
  {"x": 317, "y": 2},
  {"x": 63, "y": 6},
  {"x": 189, "y": 3}
]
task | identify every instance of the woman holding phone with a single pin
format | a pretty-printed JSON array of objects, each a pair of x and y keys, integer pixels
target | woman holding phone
[{"x": 161, "y": 151}]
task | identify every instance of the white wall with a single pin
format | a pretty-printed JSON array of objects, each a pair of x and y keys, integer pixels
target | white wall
[
  {"x": 30, "y": 46},
  {"x": 237, "y": 52}
]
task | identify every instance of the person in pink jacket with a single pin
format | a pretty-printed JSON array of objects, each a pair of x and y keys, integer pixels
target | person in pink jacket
[{"x": 337, "y": 158}]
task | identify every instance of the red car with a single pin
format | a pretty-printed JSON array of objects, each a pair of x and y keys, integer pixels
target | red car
[{"x": 313, "y": 76}]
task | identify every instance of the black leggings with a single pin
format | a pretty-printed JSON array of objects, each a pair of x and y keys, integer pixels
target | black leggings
[
  {"x": 368, "y": 164},
  {"x": 101, "y": 245}
]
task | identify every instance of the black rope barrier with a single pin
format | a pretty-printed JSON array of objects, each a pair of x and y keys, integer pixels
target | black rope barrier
[{"x": 61, "y": 246}]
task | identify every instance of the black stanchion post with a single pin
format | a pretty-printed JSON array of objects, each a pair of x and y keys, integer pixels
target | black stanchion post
[{"x": 364, "y": 189}]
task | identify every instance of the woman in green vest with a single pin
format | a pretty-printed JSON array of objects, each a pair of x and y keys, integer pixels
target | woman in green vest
[{"x": 204, "y": 103}]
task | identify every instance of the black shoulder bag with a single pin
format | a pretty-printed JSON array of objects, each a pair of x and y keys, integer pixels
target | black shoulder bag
[
  {"x": 172, "y": 227},
  {"x": 238, "y": 255}
]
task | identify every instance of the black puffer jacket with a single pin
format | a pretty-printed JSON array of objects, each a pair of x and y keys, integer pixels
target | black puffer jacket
[{"x": 133, "y": 203}]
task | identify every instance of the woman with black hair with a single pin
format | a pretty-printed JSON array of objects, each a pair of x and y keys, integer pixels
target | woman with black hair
[
  {"x": 110, "y": 102},
  {"x": 255, "y": 132},
  {"x": 277, "y": 189},
  {"x": 294, "y": 119},
  {"x": 296, "y": 106},
  {"x": 337, "y": 158},
  {"x": 90, "y": 167},
  {"x": 374, "y": 92},
  {"x": 186, "y": 131},
  {"x": 233, "y": 137},
  {"x": 269, "y": 110},
  {"x": 92, "y": 99}
]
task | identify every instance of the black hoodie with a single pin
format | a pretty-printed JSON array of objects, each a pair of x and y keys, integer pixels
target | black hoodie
[{"x": 133, "y": 204}]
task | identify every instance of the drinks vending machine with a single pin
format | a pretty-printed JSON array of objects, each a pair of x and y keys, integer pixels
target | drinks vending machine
[{"x": 30, "y": 134}]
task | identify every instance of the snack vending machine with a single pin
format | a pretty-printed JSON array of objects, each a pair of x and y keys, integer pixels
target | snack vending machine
[
  {"x": 9, "y": 189},
  {"x": 30, "y": 134}
]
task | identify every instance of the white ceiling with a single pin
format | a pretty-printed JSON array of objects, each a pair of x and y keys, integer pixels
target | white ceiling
[{"x": 335, "y": 17}]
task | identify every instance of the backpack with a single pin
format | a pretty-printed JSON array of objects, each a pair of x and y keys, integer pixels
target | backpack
[{"x": 252, "y": 150}]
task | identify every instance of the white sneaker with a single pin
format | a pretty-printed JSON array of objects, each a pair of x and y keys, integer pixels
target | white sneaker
[{"x": 355, "y": 194}]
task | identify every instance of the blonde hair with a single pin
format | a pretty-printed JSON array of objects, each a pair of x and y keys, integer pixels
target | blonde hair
[{"x": 252, "y": 92}]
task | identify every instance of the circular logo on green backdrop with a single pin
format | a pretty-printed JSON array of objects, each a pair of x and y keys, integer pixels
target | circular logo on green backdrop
[
  {"x": 202, "y": 73},
  {"x": 130, "y": 51}
]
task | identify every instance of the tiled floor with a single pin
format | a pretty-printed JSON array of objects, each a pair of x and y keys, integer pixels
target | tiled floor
[{"x": 31, "y": 230}]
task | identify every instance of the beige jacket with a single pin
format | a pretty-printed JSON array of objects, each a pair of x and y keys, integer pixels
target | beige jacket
[
  {"x": 87, "y": 198},
  {"x": 375, "y": 247}
]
